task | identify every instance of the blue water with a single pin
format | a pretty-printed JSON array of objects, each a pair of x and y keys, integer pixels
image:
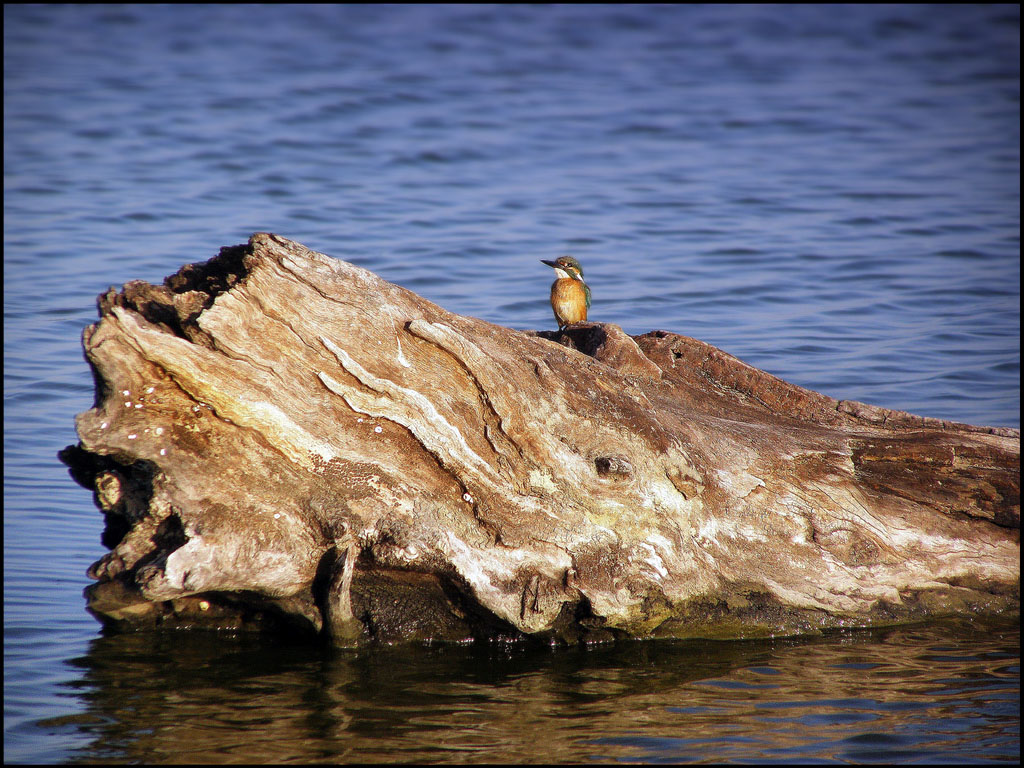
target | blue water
[{"x": 830, "y": 193}]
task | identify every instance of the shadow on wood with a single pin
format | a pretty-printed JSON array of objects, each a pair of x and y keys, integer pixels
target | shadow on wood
[{"x": 284, "y": 440}]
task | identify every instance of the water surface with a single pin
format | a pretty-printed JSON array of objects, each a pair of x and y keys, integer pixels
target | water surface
[
  {"x": 908, "y": 694},
  {"x": 829, "y": 193}
]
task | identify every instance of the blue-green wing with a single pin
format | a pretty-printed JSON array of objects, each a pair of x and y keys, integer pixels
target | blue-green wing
[{"x": 586, "y": 289}]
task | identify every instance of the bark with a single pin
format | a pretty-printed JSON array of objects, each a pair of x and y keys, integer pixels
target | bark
[{"x": 282, "y": 439}]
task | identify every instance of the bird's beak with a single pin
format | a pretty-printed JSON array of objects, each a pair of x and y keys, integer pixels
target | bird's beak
[{"x": 549, "y": 263}]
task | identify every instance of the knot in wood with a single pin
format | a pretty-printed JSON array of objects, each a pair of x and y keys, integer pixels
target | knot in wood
[{"x": 616, "y": 466}]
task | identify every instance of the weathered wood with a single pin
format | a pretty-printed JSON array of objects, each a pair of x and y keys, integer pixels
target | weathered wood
[{"x": 283, "y": 438}]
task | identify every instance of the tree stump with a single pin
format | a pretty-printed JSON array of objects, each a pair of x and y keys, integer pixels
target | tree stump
[{"x": 284, "y": 440}]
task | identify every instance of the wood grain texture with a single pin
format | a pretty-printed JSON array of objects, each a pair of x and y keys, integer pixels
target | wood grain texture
[{"x": 284, "y": 440}]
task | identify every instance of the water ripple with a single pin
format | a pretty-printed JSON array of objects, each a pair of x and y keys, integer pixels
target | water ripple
[{"x": 831, "y": 197}]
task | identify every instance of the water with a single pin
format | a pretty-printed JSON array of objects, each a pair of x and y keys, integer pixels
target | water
[
  {"x": 829, "y": 193},
  {"x": 908, "y": 694}
]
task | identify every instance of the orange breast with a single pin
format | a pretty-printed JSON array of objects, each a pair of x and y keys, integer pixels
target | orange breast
[{"x": 568, "y": 300}]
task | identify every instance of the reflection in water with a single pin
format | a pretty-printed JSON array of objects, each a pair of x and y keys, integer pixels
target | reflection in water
[{"x": 859, "y": 696}]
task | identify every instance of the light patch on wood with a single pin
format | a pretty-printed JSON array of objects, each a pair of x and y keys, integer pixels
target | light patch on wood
[{"x": 542, "y": 482}]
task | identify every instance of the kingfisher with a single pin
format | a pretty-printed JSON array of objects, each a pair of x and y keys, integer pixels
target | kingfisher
[{"x": 570, "y": 296}]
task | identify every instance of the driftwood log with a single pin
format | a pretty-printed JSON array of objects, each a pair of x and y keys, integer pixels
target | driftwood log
[{"x": 281, "y": 439}]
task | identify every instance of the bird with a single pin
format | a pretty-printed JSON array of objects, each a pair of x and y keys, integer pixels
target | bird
[{"x": 570, "y": 296}]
